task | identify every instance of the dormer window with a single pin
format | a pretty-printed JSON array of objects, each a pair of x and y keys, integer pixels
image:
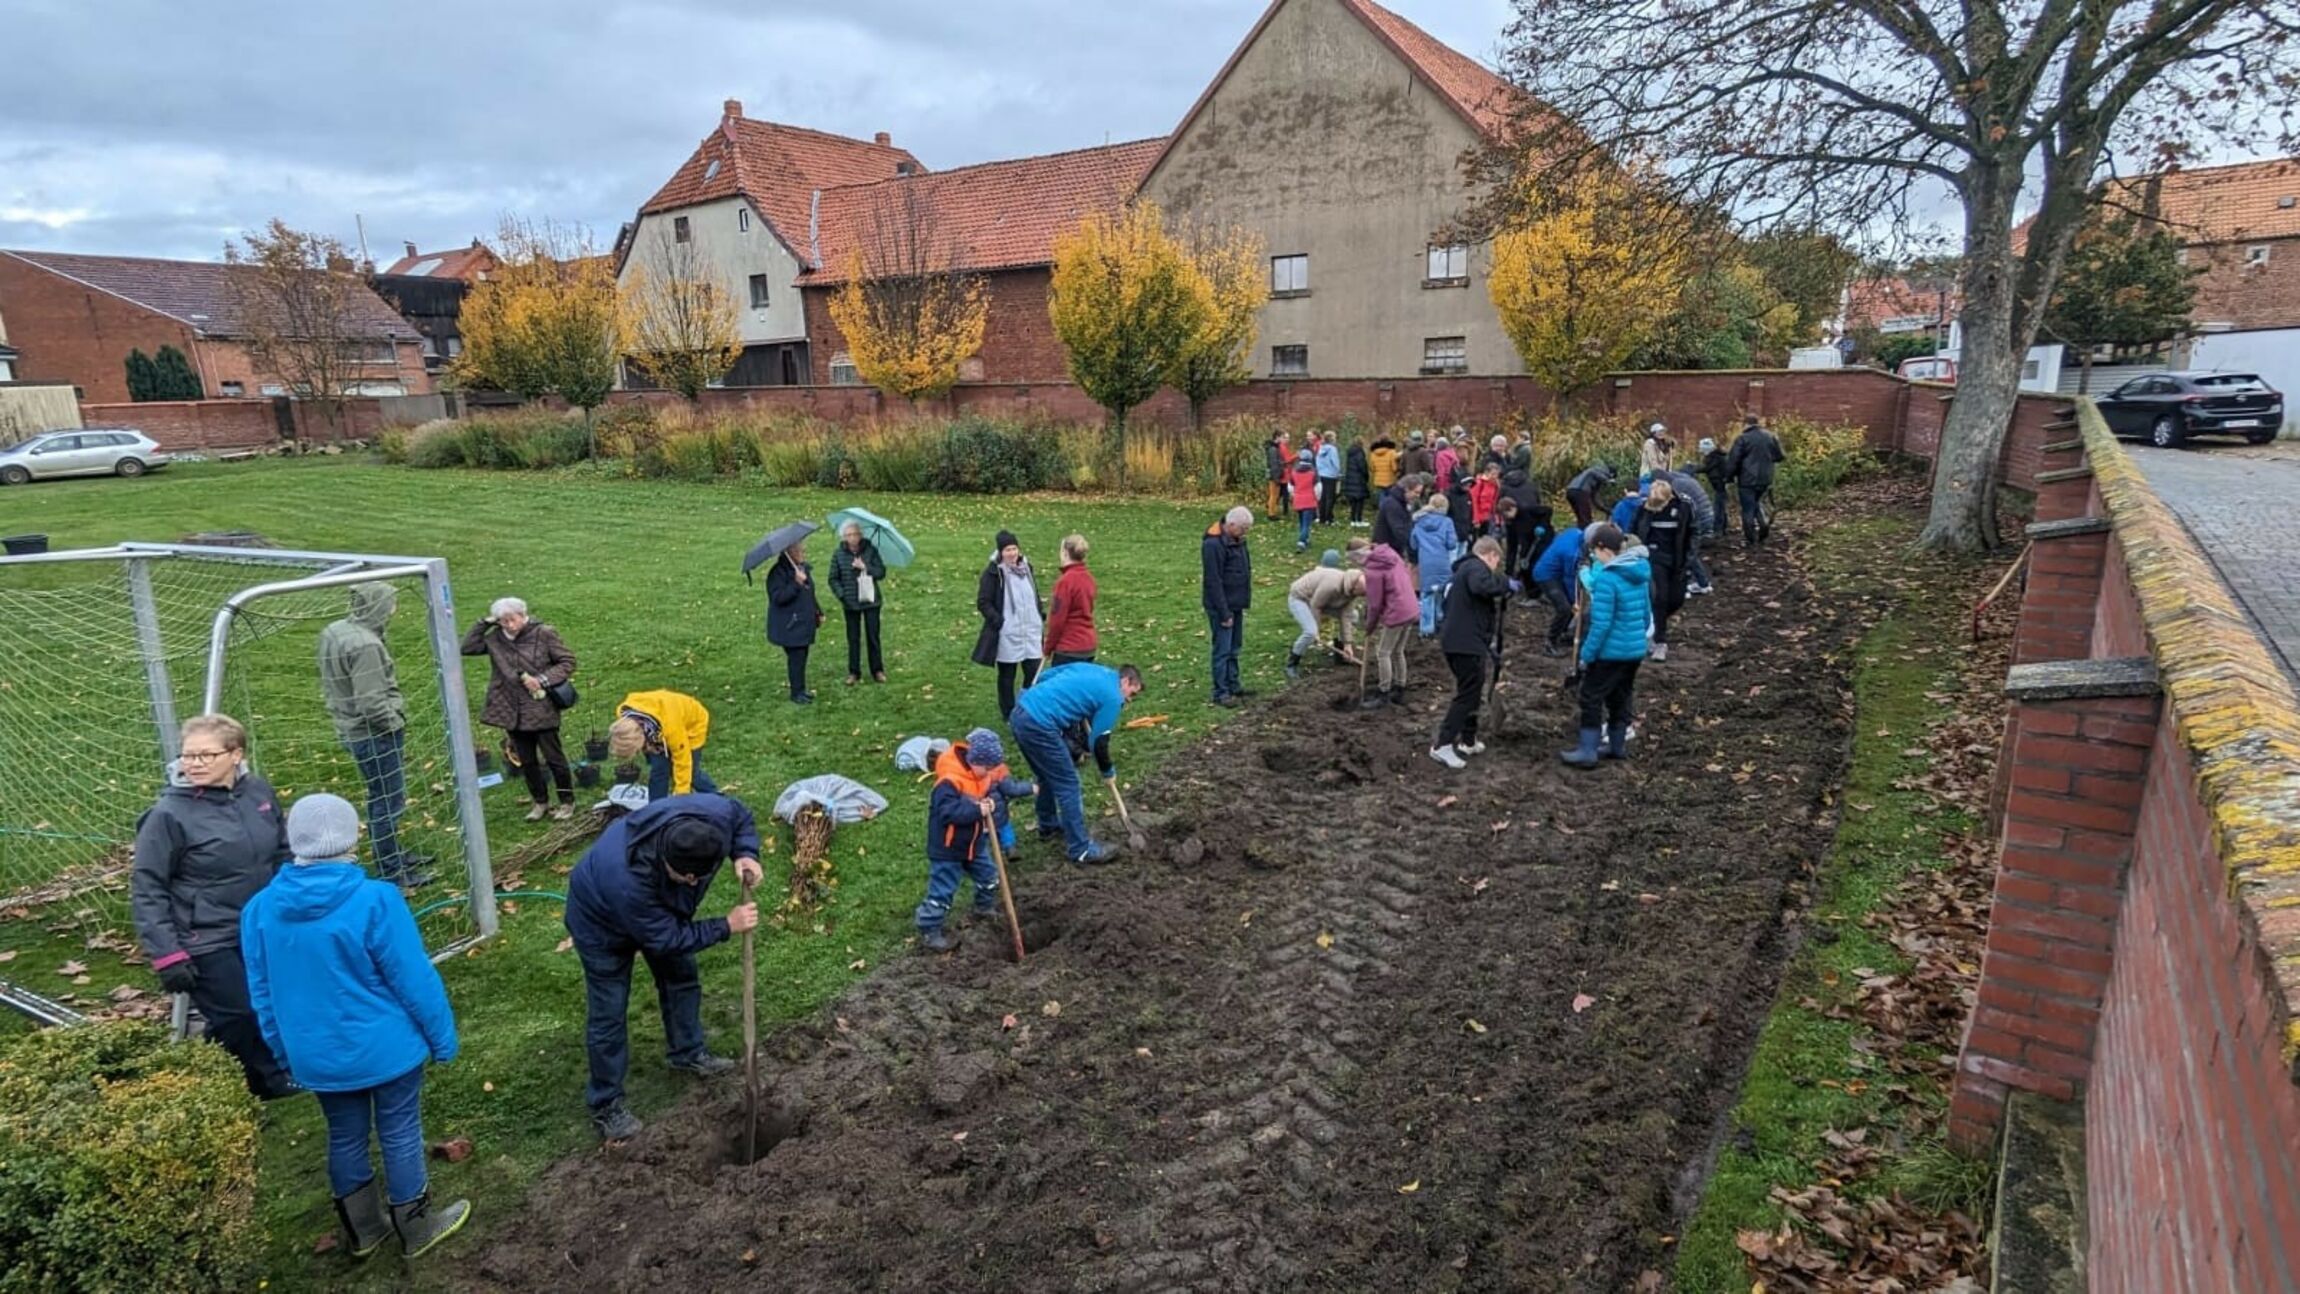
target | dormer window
[{"x": 711, "y": 171}]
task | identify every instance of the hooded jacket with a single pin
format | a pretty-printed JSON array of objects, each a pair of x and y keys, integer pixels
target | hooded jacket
[
  {"x": 1277, "y": 457},
  {"x": 1472, "y": 608},
  {"x": 1755, "y": 451},
  {"x": 1394, "y": 522},
  {"x": 846, "y": 587},
  {"x": 1434, "y": 542},
  {"x": 1389, "y": 589},
  {"x": 1589, "y": 480},
  {"x": 1302, "y": 486},
  {"x": 538, "y": 650},
  {"x": 1625, "y": 512},
  {"x": 684, "y": 726},
  {"x": 1226, "y": 575},
  {"x": 1070, "y": 624},
  {"x": 1668, "y": 532},
  {"x": 1446, "y": 462},
  {"x": 1558, "y": 560},
  {"x": 1484, "y": 493},
  {"x": 991, "y": 643},
  {"x": 1356, "y": 473},
  {"x": 1653, "y": 456},
  {"x": 1713, "y": 469},
  {"x": 1382, "y": 464},
  {"x": 1620, "y": 610},
  {"x": 954, "y": 822},
  {"x": 356, "y": 675},
  {"x": 201, "y": 853},
  {"x": 792, "y": 612},
  {"x": 619, "y": 898},
  {"x": 339, "y": 979},
  {"x": 1329, "y": 591},
  {"x": 1329, "y": 461}
]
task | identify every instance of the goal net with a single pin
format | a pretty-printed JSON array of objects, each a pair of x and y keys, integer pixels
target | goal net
[{"x": 104, "y": 652}]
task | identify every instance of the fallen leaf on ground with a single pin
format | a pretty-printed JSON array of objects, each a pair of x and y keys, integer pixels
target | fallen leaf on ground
[
  {"x": 7, "y": 955},
  {"x": 1582, "y": 1002},
  {"x": 125, "y": 993},
  {"x": 1009, "y": 1022},
  {"x": 1325, "y": 939},
  {"x": 454, "y": 1150},
  {"x": 958, "y": 1136},
  {"x": 563, "y": 945},
  {"x": 487, "y": 1087},
  {"x": 325, "y": 1242},
  {"x": 1051, "y": 1009},
  {"x": 71, "y": 968},
  {"x": 858, "y": 964},
  {"x": 1474, "y": 1026},
  {"x": 1449, "y": 801},
  {"x": 1410, "y": 1187}
]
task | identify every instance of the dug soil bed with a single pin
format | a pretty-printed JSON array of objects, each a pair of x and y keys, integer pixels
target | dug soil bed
[{"x": 1351, "y": 1022}]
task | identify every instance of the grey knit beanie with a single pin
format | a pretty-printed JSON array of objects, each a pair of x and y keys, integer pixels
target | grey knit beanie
[{"x": 322, "y": 828}]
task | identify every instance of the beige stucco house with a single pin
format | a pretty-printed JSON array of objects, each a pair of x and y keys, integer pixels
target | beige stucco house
[
  {"x": 1337, "y": 132},
  {"x": 741, "y": 209}
]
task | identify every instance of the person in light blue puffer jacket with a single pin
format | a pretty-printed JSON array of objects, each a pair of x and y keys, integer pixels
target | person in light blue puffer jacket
[
  {"x": 1434, "y": 540},
  {"x": 1613, "y": 646}
]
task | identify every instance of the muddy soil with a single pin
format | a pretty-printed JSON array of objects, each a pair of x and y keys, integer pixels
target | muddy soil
[{"x": 1356, "y": 1023}]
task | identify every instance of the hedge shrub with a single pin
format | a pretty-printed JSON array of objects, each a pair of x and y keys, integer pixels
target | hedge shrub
[{"x": 127, "y": 1162}]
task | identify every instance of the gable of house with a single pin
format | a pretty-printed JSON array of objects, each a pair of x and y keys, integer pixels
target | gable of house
[
  {"x": 777, "y": 168},
  {"x": 198, "y": 294}
]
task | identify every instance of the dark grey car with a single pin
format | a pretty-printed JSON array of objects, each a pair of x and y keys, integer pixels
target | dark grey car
[{"x": 2167, "y": 409}]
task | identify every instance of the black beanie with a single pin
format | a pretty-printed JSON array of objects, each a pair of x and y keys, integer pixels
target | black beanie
[
  {"x": 691, "y": 844},
  {"x": 1005, "y": 537}
]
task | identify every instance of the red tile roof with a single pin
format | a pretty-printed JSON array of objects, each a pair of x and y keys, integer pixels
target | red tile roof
[
  {"x": 2246, "y": 202},
  {"x": 995, "y": 216},
  {"x": 778, "y": 168},
  {"x": 1871, "y": 302},
  {"x": 197, "y": 293},
  {"x": 1483, "y": 99},
  {"x": 466, "y": 263}
]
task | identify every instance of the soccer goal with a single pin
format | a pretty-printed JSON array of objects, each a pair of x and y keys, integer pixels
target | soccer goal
[{"x": 104, "y": 651}]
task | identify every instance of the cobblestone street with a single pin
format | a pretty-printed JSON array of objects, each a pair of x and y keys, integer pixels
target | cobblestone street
[{"x": 2237, "y": 502}]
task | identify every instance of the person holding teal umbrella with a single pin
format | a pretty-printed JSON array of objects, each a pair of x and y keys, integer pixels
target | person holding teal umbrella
[{"x": 858, "y": 578}]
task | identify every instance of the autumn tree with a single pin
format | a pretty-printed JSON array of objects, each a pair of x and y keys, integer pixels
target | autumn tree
[
  {"x": 1586, "y": 273},
  {"x": 2123, "y": 285},
  {"x": 1237, "y": 284},
  {"x": 1857, "y": 115},
  {"x": 1727, "y": 315},
  {"x": 912, "y": 315},
  {"x": 545, "y": 321},
  {"x": 1128, "y": 302},
  {"x": 302, "y": 313},
  {"x": 678, "y": 321}
]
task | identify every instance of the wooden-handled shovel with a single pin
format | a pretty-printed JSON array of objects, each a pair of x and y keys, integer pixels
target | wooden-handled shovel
[
  {"x": 1005, "y": 890},
  {"x": 750, "y": 1039}
]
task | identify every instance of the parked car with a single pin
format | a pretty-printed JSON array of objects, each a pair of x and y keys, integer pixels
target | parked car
[
  {"x": 2169, "y": 408},
  {"x": 1929, "y": 368},
  {"x": 85, "y": 451}
]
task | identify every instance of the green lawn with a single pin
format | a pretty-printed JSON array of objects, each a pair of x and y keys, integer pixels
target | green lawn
[{"x": 641, "y": 578}]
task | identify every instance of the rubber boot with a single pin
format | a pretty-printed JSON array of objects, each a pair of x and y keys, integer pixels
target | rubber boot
[
  {"x": 1293, "y": 664},
  {"x": 1616, "y": 741},
  {"x": 1398, "y": 695},
  {"x": 421, "y": 1227},
  {"x": 1584, "y": 755},
  {"x": 365, "y": 1224},
  {"x": 936, "y": 940}
]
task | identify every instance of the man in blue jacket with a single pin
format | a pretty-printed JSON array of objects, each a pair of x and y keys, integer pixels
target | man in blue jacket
[
  {"x": 1612, "y": 646},
  {"x": 1227, "y": 590},
  {"x": 1083, "y": 693},
  {"x": 1553, "y": 575},
  {"x": 636, "y": 892}
]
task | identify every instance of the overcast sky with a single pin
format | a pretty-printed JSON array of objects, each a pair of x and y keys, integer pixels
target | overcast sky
[{"x": 140, "y": 127}]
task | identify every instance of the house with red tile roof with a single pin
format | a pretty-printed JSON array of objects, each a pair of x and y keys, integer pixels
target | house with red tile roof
[
  {"x": 470, "y": 264},
  {"x": 75, "y": 318},
  {"x": 1337, "y": 132},
  {"x": 741, "y": 210},
  {"x": 998, "y": 220}
]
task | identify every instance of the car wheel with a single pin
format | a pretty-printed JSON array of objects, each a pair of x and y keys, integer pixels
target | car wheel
[
  {"x": 2258, "y": 437},
  {"x": 2164, "y": 433},
  {"x": 129, "y": 467},
  {"x": 14, "y": 475}
]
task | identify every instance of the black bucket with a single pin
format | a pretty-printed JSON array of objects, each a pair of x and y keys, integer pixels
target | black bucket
[
  {"x": 24, "y": 545},
  {"x": 595, "y": 749},
  {"x": 586, "y": 775}
]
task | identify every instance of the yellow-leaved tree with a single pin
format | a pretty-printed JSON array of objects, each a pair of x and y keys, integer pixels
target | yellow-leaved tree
[
  {"x": 911, "y": 315},
  {"x": 545, "y": 322},
  {"x": 678, "y": 321},
  {"x": 1128, "y": 302},
  {"x": 1237, "y": 284},
  {"x": 1595, "y": 267}
]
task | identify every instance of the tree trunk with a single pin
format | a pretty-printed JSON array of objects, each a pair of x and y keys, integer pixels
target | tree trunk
[
  {"x": 2084, "y": 373},
  {"x": 1197, "y": 416},
  {"x": 1963, "y": 514}
]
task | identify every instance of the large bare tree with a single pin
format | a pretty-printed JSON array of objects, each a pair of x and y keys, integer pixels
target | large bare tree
[
  {"x": 298, "y": 297},
  {"x": 679, "y": 321},
  {"x": 1874, "y": 117}
]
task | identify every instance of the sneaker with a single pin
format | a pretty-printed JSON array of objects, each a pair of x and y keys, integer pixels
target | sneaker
[
  {"x": 1469, "y": 748},
  {"x": 1661, "y": 651},
  {"x": 1445, "y": 755},
  {"x": 535, "y": 814},
  {"x": 615, "y": 1123},
  {"x": 1230, "y": 702},
  {"x": 937, "y": 940},
  {"x": 1701, "y": 590},
  {"x": 705, "y": 1066},
  {"x": 878, "y": 676},
  {"x": 563, "y": 812},
  {"x": 1097, "y": 854},
  {"x": 853, "y": 679}
]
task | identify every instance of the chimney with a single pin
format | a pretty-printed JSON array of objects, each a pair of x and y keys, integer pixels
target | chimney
[
  {"x": 734, "y": 108},
  {"x": 411, "y": 251},
  {"x": 883, "y": 139}
]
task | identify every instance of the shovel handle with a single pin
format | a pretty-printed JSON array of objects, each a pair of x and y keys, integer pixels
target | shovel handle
[
  {"x": 1006, "y": 892},
  {"x": 750, "y": 1039}
]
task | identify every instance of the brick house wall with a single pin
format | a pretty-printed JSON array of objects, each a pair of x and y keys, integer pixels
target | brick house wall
[
  {"x": 1018, "y": 343},
  {"x": 220, "y": 426},
  {"x": 2248, "y": 296}
]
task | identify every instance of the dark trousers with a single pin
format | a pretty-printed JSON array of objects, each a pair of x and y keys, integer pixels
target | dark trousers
[
  {"x": 1560, "y": 600},
  {"x": 1357, "y": 510},
  {"x": 863, "y": 624},
  {"x": 1460, "y": 723},
  {"x": 1328, "y": 487},
  {"x": 383, "y": 766},
  {"x": 1668, "y": 597},
  {"x": 540, "y": 750},
  {"x": 659, "y": 777},
  {"x": 607, "y": 1005},
  {"x": 1756, "y": 521},
  {"x": 1583, "y": 506},
  {"x": 1227, "y": 640},
  {"x": 1007, "y": 670},
  {"x": 221, "y": 994},
  {"x": 1607, "y": 688},
  {"x": 795, "y": 665}
]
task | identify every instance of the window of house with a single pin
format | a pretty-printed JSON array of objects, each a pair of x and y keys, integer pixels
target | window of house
[
  {"x": 742, "y": 220},
  {"x": 1289, "y": 361},
  {"x": 2029, "y": 370},
  {"x": 370, "y": 350},
  {"x": 454, "y": 347},
  {"x": 1445, "y": 355},
  {"x": 430, "y": 348},
  {"x": 274, "y": 389},
  {"x": 1448, "y": 264},
  {"x": 2256, "y": 255},
  {"x": 234, "y": 390},
  {"x": 1290, "y": 274},
  {"x": 679, "y": 230},
  {"x": 759, "y": 291},
  {"x": 843, "y": 370}
]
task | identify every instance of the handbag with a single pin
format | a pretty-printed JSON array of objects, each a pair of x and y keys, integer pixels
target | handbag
[
  {"x": 562, "y": 694},
  {"x": 866, "y": 590}
]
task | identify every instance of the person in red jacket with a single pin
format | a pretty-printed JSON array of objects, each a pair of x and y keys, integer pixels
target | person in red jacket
[
  {"x": 1070, "y": 633},
  {"x": 1484, "y": 492},
  {"x": 1302, "y": 482}
]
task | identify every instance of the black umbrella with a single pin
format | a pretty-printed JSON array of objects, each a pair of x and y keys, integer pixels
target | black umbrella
[{"x": 771, "y": 547}]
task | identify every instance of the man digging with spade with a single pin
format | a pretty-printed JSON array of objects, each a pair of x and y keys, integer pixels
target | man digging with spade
[
  {"x": 635, "y": 892},
  {"x": 1082, "y": 693}
]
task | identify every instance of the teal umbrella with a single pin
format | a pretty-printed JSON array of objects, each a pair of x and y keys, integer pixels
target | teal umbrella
[{"x": 892, "y": 547}]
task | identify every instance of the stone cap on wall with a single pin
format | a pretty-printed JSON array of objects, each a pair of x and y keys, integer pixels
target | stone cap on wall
[{"x": 2234, "y": 708}]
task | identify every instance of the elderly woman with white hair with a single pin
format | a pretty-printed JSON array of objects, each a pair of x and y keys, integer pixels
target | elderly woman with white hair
[
  {"x": 858, "y": 578},
  {"x": 529, "y": 666}
]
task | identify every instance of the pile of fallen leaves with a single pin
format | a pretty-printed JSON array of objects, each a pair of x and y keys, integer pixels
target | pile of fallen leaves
[{"x": 1877, "y": 1245}]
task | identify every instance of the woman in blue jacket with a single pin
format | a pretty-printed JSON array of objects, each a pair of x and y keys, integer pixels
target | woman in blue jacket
[
  {"x": 1612, "y": 646},
  {"x": 792, "y": 616},
  {"x": 1434, "y": 541},
  {"x": 351, "y": 1004}
]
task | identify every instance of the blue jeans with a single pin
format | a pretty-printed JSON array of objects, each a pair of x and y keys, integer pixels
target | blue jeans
[
  {"x": 606, "y": 1006},
  {"x": 393, "y": 1111},
  {"x": 1227, "y": 643},
  {"x": 383, "y": 766},
  {"x": 659, "y": 778},
  {"x": 1061, "y": 797},
  {"x": 1433, "y": 608},
  {"x": 1302, "y": 522},
  {"x": 942, "y": 886}
]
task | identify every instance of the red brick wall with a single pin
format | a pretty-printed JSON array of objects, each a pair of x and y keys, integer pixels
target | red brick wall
[
  {"x": 216, "y": 425},
  {"x": 68, "y": 332},
  {"x": 2191, "y": 1121},
  {"x": 1018, "y": 342}
]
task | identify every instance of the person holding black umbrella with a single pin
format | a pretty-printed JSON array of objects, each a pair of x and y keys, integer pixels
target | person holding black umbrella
[{"x": 793, "y": 614}]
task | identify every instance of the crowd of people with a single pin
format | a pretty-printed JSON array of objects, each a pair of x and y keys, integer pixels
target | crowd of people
[{"x": 314, "y": 975}]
